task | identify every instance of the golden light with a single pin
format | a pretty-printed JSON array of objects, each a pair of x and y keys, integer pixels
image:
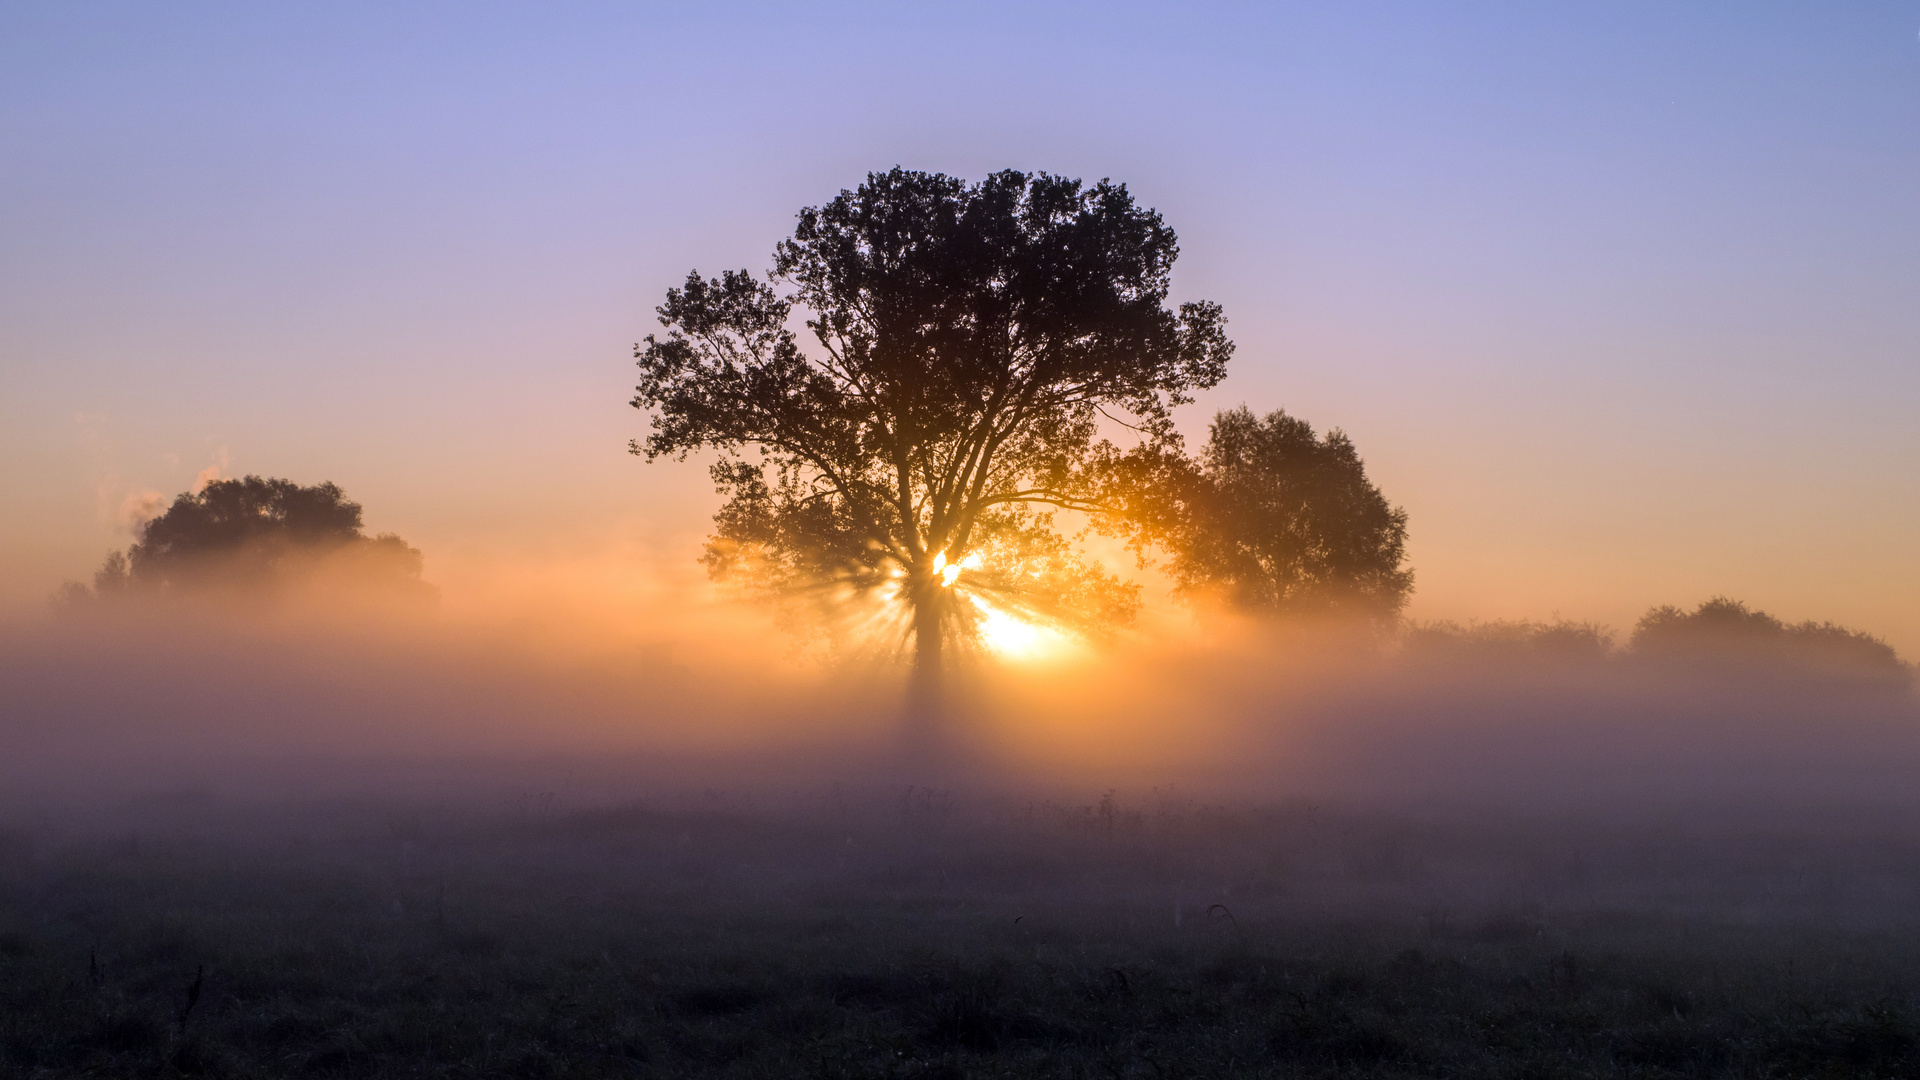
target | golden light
[
  {"x": 1001, "y": 631},
  {"x": 1014, "y": 638},
  {"x": 949, "y": 572}
]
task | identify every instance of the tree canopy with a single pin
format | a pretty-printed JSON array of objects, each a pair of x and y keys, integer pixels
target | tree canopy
[
  {"x": 1278, "y": 519},
  {"x": 252, "y": 534},
  {"x": 961, "y": 343},
  {"x": 1725, "y": 633}
]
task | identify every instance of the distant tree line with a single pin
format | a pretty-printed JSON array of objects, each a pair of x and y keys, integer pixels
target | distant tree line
[{"x": 1719, "y": 636}]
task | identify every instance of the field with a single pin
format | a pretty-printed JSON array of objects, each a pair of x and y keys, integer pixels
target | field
[{"x": 916, "y": 933}]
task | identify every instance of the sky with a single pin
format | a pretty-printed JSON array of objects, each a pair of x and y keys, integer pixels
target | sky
[{"x": 1621, "y": 301}]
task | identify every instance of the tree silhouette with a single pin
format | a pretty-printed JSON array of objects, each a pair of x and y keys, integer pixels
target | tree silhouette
[
  {"x": 963, "y": 341},
  {"x": 1559, "y": 644},
  {"x": 1277, "y": 518},
  {"x": 1726, "y": 634},
  {"x": 252, "y": 534}
]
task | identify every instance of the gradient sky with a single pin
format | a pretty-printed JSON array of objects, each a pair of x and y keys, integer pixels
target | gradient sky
[{"x": 1620, "y": 300}]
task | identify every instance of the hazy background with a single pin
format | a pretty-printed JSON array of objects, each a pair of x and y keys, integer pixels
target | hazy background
[{"x": 1620, "y": 300}]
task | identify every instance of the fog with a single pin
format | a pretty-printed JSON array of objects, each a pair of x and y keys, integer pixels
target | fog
[{"x": 604, "y": 682}]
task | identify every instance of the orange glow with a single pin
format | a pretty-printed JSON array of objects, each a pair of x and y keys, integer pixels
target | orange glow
[
  {"x": 950, "y": 572},
  {"x": 1011, "y": 637}
]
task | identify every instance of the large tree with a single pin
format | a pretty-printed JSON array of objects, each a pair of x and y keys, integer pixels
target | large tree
[{"x": 961, "y": 344}]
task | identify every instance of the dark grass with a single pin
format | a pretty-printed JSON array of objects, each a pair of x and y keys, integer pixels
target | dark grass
[{"x": 905, "y": 938}]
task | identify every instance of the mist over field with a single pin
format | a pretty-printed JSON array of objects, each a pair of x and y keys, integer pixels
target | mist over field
[{"x": 666, "y": 685}]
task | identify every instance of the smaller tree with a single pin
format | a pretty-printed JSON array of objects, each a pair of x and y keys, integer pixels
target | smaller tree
[
  {"x": 252, "y": 535},
  {"x": 1724, "y": 633},
  {"x": 1279, "y": 519}
]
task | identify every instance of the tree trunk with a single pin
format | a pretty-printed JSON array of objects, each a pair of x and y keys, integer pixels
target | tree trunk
[{"x": 926, "y": 697}]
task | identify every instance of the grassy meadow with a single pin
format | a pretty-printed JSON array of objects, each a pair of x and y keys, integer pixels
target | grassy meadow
[{"x": 915, "y": 933}]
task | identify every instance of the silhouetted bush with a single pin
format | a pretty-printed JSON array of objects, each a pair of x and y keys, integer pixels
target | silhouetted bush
[
  {"x": 255, "y": 536},
  {"x": 1726, "y": 635},
  {"x": 1527, "y": 643}
]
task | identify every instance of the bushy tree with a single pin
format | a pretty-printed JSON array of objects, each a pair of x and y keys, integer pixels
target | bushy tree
[
  {"x": 961, "y": 342},
  {"x": 1722, "y": 632},
  {"x": 1274, "y": 517},
  {"x": 253, "y": 534}
]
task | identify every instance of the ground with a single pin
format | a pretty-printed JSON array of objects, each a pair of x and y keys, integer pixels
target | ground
[{"x": 914, "y": 933}]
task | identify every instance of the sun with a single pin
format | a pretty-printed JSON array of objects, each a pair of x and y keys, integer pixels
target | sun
[
  {"x": 1002, "y": 632},
  {"x": 950, "y": 572}
]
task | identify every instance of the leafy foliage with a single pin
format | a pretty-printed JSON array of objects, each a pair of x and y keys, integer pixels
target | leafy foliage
[
  {"x": 251, "y": 534},
  {"x": 1277, "y": 518},
  {"x": 1723, "y": 632}
]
